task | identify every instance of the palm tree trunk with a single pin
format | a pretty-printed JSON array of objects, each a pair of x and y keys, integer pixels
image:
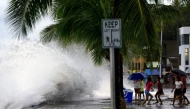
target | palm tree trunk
[
  {"x": 118, "y": 66},
  {"x": 118, "y": 78}
]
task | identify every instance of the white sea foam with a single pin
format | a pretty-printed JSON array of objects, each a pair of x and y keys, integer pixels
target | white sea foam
[{"x": 31, "y": 73}]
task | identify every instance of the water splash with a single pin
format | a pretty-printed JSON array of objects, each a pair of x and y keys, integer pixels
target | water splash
[{"x": 31, "y": 73}]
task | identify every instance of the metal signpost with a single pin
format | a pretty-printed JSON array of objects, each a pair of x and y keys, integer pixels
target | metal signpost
[{"x": 111, "y": 38}]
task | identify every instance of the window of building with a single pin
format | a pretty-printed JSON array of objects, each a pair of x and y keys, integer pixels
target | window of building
[
  {"x": 185, "y": 39},
  {"x": 154, "y": 64},
  {"x": 186, "y": 56},
  {"x": 133, "y": 66},
  {"x": 179, "y": 59},
  {"x": 179, "y": 41},
  {"x": 139, "y": 66}
]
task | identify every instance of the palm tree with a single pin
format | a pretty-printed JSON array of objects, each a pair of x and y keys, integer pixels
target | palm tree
[{"x": 79, "y": 21}]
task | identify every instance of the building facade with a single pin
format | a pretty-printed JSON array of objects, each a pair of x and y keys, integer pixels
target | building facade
[{"x": 184, "y": 48}]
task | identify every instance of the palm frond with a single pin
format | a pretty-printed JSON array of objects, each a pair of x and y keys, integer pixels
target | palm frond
[
  {"x": 165, "y": 12},
  {"x": 23, "y": 14},
  {"x": 79, "y": 21},
  {"x": 48, "y": 34},
  {"x": 138, "y": 25}
]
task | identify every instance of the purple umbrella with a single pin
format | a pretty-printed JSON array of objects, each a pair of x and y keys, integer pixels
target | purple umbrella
[{"x": 137, "y": 76}]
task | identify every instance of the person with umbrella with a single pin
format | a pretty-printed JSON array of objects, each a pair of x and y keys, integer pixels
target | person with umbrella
[
  {"x": 136, "y": 86},
  {"x": 136, "y": 77},
  {"x": 142, "y": 89},
  {"x": 182, "y": 76},
  {"x": 137, "y": 89}
]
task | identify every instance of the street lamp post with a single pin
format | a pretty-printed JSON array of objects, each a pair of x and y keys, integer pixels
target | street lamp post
[{"x": 161, "y": 52}]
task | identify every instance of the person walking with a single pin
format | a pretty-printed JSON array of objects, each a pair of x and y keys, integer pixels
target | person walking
[
  {"x": 159, "y": 91},
  {"x": 170, "y": 78},
  {"x": 142, "y": 89},
  {"x": 148, "y": 87},
  {"x": 178, "y": 89},
  {"x": 137, "y": 90},
  {"x": 183, "y": 79}
]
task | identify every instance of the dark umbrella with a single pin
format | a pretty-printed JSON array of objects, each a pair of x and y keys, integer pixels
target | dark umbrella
[
  {"x": 136, "y": 76},
  {"x": 144, "y": 74},
  {"x": 179, "y": 72}
]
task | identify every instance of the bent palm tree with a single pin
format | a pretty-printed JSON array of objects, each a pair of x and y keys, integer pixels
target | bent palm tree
[{"x": 79, "y": 21}]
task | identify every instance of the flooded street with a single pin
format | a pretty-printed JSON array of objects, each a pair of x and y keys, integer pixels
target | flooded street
[{"x": 105, "y": 103}]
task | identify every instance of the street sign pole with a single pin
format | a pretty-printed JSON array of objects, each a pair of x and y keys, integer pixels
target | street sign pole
[
  {"x": 112, "y": 78},
  {"x": 111, "y": 38}
]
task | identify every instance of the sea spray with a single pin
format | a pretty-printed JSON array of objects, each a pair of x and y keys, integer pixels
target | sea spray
[{"x": 31, "y": 73}]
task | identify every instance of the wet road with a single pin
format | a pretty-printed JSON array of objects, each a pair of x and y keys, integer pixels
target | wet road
[
  {"x": 167, "y": 100},
  {"x": 103, "y": 103},
  {"x": 85, "y": 104}
]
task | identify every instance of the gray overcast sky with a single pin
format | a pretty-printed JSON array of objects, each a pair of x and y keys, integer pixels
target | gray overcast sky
[{"x": 5, "y": 33}]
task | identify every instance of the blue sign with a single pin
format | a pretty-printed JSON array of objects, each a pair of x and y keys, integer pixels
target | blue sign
[{"x": 154, "y": 71}]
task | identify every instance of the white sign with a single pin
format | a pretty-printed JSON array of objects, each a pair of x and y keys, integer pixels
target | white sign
[{"x": 111, "y": 33}]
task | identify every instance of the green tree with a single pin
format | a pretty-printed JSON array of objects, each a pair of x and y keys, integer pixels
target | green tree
[
  {"x": 170, "y": 30},
  {"x": 79, "y": 21}
]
